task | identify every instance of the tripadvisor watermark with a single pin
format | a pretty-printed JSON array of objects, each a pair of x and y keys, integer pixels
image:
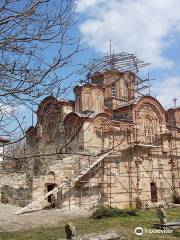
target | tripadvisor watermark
[{"x": 140, "y": 231}]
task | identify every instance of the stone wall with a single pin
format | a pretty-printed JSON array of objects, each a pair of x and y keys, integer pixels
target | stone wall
[
  {"x": 142, "y": 170},
  {"x": 14, "y": 189}
]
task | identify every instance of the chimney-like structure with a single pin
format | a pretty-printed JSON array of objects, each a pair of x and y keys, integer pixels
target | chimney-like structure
[
  {"x": 119, "y": 87},
  {"x": 89, "y": 97}
]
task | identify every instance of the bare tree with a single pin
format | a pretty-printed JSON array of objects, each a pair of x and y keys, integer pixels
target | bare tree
[{"x": 35, "y": 43}]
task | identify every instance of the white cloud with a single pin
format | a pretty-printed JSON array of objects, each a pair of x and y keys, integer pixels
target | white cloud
[
  {"x": 5, "y": 109},
  {"x": 84, "y": 5},
  {"x": 166, "y": 90},
  {"x": 143, "y": 27}
]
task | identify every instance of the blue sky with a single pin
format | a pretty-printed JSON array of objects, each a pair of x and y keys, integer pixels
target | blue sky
[{"x": 150, "y": 29}]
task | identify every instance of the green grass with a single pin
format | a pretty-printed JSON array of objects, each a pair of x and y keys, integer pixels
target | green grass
[{"x": 126, "y": 225}]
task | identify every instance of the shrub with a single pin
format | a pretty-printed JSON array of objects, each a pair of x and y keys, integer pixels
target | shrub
[
  {"x": 107, "y": 211},
  {"x": 176, "y": 199}
]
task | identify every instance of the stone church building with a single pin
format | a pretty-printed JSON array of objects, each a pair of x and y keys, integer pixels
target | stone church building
[{"x": 107, "y": 147}]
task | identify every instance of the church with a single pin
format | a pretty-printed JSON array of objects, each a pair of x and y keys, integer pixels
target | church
[{"x": 111, "y": 146}]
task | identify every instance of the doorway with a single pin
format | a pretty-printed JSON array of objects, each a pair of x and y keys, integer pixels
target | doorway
[
  {"x": 50, "y": 187},
  {"x": 153, "y": 192}
]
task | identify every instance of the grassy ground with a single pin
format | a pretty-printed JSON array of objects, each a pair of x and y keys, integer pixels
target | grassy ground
[{"x": 89, "y": 225}]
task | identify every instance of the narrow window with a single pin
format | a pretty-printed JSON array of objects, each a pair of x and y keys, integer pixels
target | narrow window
[
  {"x": 98, "y": 104},
  {"x": 153, "y": 192}
]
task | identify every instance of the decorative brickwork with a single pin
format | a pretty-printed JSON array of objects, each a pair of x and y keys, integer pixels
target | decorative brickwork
[{"x": 141, "y": 170}]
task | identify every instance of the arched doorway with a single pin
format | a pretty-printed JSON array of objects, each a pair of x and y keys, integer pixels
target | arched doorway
[{"x": 50, "y": 185}]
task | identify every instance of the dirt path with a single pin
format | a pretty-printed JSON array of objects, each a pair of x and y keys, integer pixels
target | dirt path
[{"x": 11, "y": 222}]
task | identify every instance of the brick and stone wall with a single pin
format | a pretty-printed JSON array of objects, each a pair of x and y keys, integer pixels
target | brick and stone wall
[
  {"x": 142, "y": 170},
  {"x": 14, "y": 189}
]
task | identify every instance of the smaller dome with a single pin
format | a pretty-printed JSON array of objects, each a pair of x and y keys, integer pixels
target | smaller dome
[{"x": 89, "y": 97}]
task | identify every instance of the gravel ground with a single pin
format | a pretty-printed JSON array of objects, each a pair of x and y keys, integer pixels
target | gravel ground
[{"x": 11, "y": 222}]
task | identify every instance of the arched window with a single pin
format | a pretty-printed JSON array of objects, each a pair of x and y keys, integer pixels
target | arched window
[
  {"x": 51, "y": 177},
  {"x": 40, "y": 130},
  {"x": 97, "y": 103},
  {"x": 148, "y": 129},
  {"x": 78, "y": 104},
  {"x": 114, "y": 94},
  {"x": 87, "y": 97}
]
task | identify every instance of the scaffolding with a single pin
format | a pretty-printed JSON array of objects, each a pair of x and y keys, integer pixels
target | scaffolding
[
  {"x": 124, "y": 173},
  {"x": 124, "y": 62},
  {"x": 120, "y": 62}
]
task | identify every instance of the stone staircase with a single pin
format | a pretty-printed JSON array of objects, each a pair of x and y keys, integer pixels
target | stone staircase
[{"x": 74, "y": 179}]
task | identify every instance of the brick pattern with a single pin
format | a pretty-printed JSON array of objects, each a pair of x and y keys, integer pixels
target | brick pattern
[{"x": 105, "y": 115}]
